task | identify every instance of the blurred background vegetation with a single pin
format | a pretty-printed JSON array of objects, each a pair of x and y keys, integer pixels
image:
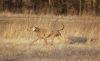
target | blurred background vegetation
[{"x": 57, "y": 7}]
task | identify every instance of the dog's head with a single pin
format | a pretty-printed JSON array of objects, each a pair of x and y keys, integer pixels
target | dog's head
[{"x": 35, "y": 29}]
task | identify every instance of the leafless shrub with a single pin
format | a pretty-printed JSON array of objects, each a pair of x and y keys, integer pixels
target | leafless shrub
[{"x": 77, "y": 39}]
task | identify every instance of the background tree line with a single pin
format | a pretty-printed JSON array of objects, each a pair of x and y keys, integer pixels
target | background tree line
[{"x": 58, "y": 7}]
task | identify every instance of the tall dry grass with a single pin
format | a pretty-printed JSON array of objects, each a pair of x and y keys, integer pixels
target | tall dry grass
[
  {"x": 15, "y": 26},
  {"x": 15, "y": 38}
]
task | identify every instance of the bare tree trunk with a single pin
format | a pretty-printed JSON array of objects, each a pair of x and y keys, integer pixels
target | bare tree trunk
[
  {"x": 80, "y": 7},
  {"x": 1, "y": 5},
  {"x": 7, "y": 5},
  {"x": 97, "y": 7},
  {"x": 50, "y": 3},
  {"x": 93, "y": 6}
]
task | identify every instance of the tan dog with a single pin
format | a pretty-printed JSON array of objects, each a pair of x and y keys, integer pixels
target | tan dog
[{"x": 44, "y": 33}]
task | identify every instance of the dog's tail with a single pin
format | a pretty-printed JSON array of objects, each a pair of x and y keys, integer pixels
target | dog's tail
[{"x": 62, "y": 27}]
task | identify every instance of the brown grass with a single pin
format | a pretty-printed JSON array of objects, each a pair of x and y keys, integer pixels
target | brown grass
[
  {"x": 15, "y": 38},
  {"x": 15, "y": 27}
]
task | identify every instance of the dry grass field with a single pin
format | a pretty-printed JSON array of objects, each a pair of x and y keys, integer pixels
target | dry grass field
[{"x": 15, "y": 38}]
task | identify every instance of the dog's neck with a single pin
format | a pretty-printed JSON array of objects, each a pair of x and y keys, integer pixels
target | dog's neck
[{"x": 37, "y": 29}]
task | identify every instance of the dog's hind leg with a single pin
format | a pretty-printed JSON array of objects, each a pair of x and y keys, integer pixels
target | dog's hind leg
[{"x": 45, "y": 40}]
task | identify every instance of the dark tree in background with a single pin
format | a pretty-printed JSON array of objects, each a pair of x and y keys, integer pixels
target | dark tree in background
[
  {"x": 17, "y": 5},
  {"x": 97, "y": 7},
  {"x": 35, "y": 5},
  {"x": 7, "y": 5},
  {"x": 57, "y": 7},
  {"x": 1, "y": 5},
  {"x": 75, "y": 5}
]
